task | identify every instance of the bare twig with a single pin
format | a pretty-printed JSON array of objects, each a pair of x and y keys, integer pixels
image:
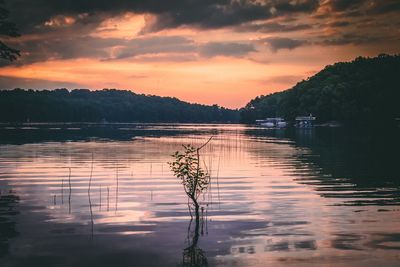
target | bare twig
[{"x": 205, "y": 143}]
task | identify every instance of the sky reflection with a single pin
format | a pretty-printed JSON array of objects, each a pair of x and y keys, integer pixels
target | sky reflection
[{"x": 272, "y": 200}]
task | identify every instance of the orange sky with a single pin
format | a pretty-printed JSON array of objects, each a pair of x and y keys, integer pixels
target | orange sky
[{"x": 226, "y": 65}]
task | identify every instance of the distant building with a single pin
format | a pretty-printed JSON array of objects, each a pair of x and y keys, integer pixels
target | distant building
[
  {"x": 272, "y": 122},
  {"x": 305, "y": 121}
]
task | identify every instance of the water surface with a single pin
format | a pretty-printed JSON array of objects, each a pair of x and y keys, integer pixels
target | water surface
[{"x": 103, "y": 195}]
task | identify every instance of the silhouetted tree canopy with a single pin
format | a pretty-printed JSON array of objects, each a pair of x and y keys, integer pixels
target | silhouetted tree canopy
[
  {"x": 83, "y": 105},
  {"x": 7, "y": 29},
  {"x": 364, "y": 91}
]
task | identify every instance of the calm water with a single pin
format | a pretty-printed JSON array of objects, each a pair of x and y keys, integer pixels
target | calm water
[{"x": 321, "y": 197}]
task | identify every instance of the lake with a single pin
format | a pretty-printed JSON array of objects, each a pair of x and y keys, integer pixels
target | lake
[{"x": 103, "y": 195}]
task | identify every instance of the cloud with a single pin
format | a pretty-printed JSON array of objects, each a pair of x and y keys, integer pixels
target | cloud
[
  {"x": 65, "y": 47},
  {"x": 83, "y": 16},
  {"x": 278, "y": 43},
  {"x": 287, "y": 7},
  {"x": 272, "y": 27},
  {"x": 342, "y": 5},
  {"x": 346, "y": 39},
  {"x": 69, "y": 47},
  {"x": 8, "y": 82},
  {"x": 338, "y": 24},
  {"x": 32, "y": 15},
  {"x": 72, "y": 29},
  {"x": 383, "y": 7},
  {"x": 145, "y": 49},
  {"x": 356, "y": 8},
  {"x": 213, "y": 49},
  {"x": 156, "y": 45}
]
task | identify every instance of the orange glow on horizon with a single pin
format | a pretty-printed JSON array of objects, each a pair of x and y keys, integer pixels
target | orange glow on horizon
[{"x": 224, "y": 81}]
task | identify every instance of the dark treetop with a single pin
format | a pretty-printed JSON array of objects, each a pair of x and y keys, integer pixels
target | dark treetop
[
  {"x": 7, "y": 29},
  {"x": 362, "y": 92},
  {"x": 82, "y": 105}
]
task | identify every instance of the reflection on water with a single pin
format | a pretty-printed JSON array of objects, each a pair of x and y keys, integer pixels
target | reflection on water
[
  {"x": 8, "y": 211},
  {"x": 193, "y": 256},
  {"x": 80, "y": 195}
]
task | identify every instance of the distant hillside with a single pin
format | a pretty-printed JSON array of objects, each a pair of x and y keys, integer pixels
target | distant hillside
[
  {"x": 82, "y": 105},
  {"x": 364, "y": 91}
]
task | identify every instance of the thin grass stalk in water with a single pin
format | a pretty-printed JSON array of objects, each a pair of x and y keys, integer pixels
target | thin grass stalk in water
[
  {"x": 70, "y": 191},
  {"x": 90, "y": 201}
]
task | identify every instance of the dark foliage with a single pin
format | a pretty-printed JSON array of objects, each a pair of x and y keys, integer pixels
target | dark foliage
[
  {"x": 7, "y": 29},
  {"x": 364, "y": 91},
  {"x": 83, "y": 105}
]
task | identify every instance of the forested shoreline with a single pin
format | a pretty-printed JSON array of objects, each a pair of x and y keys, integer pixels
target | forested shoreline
[
  {"x": 107, "y": 105},
  {"x": 364, "y": 91}
]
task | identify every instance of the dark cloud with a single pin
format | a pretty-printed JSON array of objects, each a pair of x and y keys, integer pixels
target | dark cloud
[
  {"x": 32, "y": 14},
  {"x": 211, "y": 16},
  {"x": 271, "y": 27},
  {"x": 62, "y": 29},
  {"x": 184, "y": 46},
  {"x": 277, "y": 43},
  {"x": 356, "y": 8},
  {"x": 156, "y": 45},
  {"x": 8, "y": 82},
  {"x": 70, "y": 47},
  {"x": 226, "y": 49},
  {"x": 342, "y": 5},
  {"x": 65, "y": 47},
  {"x": 383, "y": 7},
  {"x": 284, "y": 7},
  {"x": 346, "y": 39},
  {"x": 163, "y": 48},
  {"x": 338, "y": 24}
]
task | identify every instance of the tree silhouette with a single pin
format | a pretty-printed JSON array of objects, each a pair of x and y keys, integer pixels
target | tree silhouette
[
  {"x": 108, "y": 105},
  {"x": 7, "y": 29},
  {"x": 363, "y": 92}
]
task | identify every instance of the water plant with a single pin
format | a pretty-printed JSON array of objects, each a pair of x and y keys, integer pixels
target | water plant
[
  {"x": 195, "y": 181},
  {"x": 186, "y": 167}
]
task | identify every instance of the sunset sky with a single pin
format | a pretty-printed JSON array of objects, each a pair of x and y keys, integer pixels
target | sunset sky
[{"x": 222, "y": 52}]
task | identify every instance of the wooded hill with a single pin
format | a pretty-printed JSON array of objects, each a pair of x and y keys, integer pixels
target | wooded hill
[
  {"x": 364, "y": 91},
  {"x": 83, "y": 105}
]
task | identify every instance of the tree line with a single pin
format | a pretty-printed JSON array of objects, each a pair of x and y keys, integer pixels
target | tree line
[
  {"x": 107, "y": 105},
  {"x": 364, "y": 91}
]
